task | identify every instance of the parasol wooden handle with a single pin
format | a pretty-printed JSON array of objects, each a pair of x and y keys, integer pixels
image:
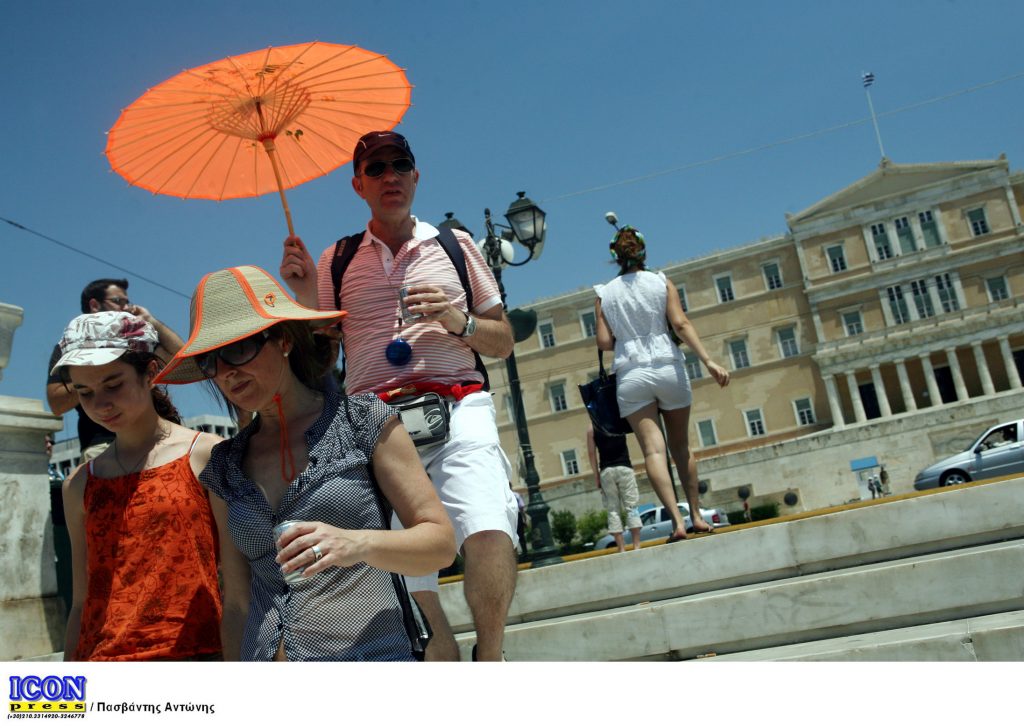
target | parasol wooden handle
[{"x": 268, "y": 144}]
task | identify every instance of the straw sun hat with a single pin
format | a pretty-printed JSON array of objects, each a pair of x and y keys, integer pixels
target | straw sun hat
[{"x": 229, "y": 305}]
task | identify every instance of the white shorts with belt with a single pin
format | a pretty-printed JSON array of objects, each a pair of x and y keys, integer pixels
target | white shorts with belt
[{"x": 471, "y": 475}]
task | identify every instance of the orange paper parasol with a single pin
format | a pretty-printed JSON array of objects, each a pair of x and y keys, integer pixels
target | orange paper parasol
[{"x": 250, "y": 124}]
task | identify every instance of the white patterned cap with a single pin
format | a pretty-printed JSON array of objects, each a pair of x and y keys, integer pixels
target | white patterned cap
[{"x": 94, "y": 339}]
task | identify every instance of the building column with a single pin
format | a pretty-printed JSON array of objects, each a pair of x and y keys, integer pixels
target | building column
[
  {"x": 940, "y": 226},
  {"x": 858, "y": 405},
  {"x": 929, "y": 377},
  {"x": 983, "y": 372},
  {"x": 958, "y": 376},
  {"x": 1014, "y": 209},
  {"x": 908, "y": 393},
  {"x": 838, "y": 422},
  {"x": 1011, "y": 366},
  {"x": 915, "y": 228},
  {"x": 883, "y": 398}
]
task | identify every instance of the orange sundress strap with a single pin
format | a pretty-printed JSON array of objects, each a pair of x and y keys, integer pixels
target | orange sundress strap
[{"x": 194, "y": 440}]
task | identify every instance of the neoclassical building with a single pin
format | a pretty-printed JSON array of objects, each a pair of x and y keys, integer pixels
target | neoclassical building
[{"x": 885, "y": 328}]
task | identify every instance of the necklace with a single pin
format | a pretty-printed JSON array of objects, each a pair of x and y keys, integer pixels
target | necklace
[{"x": 117, "y": 455}]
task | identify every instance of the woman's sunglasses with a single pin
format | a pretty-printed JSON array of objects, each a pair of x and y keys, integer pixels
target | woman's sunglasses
[
  {"x": 234, "y": 354},
  {"x": 402, "y": 165}
]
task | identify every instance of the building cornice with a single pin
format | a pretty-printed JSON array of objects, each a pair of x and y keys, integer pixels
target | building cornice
[
  {"x": 915, "y": 265},
  {"x": 920, "y": 338}
]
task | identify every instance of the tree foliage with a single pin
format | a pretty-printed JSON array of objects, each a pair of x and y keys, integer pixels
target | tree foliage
[{"x": 563, "y": 526}]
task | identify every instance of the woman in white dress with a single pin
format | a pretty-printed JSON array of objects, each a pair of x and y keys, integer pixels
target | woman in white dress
[{"x": 634, "y": 312}]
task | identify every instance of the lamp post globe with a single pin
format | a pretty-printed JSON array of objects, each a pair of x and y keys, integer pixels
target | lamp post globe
[{"x": 527, "y": 221}]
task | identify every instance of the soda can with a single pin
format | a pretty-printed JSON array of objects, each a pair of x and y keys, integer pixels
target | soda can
[
  {"x": 279, "y": 529},
  {"x": 407, "y": 315}
]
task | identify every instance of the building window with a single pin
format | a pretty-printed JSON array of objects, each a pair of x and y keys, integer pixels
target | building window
[
  {"x": 546, "y": 331},
  {"x": 852, "y": 323},
  {"x": 787, "y": 342},
  {"x": 755, "y": 422},
  {"x": 979, "y": 224},
  {"x": 706, "y": 431},
  {"x": 738, "y": 351},
  {"x": 682, "y": 297},
  {"x": 724, "y": 286},
  {"x": 804, "y": 411},
  {"x": 898, "y": 307},
  {"x": 556, "y": 392},
  {"x": 947, "y": 293},
  {"x": 922, "y": 300},
  {"x": 588, "y": 322},
  {"x": 905, "y": 235},
  {"x": 509, "y": 409},
  {"x": 836, "y": 258},
  {"x": 929, "y": 229},
  {"x": 998, "y": 290},
  {"x": 772, "y": 276},
  {"x": 693, "y": 366},
  {"x": 570, "y": 464},
  {"x": 881, "y": 238}
]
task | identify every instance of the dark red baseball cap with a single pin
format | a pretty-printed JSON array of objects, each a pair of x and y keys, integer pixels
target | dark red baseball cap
[{"x": 374, "y": 140}]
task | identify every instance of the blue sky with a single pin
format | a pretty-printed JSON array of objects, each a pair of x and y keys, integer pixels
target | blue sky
[{"x": 555, "y": 98}]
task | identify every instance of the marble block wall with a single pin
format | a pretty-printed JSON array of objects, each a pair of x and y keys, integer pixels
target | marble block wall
[{"x": 31, "y": 614}]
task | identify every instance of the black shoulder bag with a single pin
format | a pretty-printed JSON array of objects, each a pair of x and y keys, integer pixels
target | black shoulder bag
[{"x": 599, "y": 398}]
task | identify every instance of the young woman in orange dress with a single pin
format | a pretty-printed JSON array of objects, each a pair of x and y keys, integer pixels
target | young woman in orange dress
[{"x": 143, "y": 544}]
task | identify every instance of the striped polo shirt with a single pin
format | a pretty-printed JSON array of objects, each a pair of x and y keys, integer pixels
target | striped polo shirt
[{"x": 369, "y": 292}]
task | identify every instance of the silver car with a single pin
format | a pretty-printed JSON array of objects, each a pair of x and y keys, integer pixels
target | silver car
[
  {"x": 656, "y": 523},
  {"x": 997, "y": 452}
]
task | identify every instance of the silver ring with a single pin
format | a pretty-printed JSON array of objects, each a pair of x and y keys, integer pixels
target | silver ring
[{"x": 317, "y": 553}]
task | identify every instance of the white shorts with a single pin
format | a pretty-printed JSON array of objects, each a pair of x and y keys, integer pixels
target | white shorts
[
  {"x": 471, "y": 475},
  {"x": 666, "y": 384}
]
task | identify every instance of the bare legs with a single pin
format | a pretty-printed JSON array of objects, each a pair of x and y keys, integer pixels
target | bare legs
[
  {"x": 442, "y": 646},
  {"x": 489, "y": 584},
  {"x": 652, "y": 443},
  {"x": 677, "y": 424}
]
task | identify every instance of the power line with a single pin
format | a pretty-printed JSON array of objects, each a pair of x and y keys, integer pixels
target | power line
[
  {"x": 781, "y": 142},
  {"x": 72, "y": 248},
  {"x": 610, "y": 185}
]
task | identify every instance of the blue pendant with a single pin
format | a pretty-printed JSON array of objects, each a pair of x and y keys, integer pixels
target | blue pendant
[{"x": 398, "y": 352}]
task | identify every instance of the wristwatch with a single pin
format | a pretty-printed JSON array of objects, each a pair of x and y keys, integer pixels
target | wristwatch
[{"x": 470, "y": 327}]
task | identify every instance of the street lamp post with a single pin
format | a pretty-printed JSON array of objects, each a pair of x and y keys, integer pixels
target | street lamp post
[{"x": 527, "y": 226}]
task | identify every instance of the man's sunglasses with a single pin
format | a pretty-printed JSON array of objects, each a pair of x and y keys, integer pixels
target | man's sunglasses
[
  {"x": 402, "y": 165},
  {"x": 234, "y": 354},
  {"x": 119, "y": 301}
]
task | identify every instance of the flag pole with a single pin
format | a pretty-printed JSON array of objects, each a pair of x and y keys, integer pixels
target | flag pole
[{"x": 869, "y": 78}]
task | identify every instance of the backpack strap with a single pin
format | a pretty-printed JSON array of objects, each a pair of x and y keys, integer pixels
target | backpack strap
[
  {"x": 345, "y": 250},
  {"x": 446, "y": 237}
]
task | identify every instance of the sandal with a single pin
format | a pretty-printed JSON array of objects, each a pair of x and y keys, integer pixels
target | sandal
[{"x": 673, "y": 539}]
